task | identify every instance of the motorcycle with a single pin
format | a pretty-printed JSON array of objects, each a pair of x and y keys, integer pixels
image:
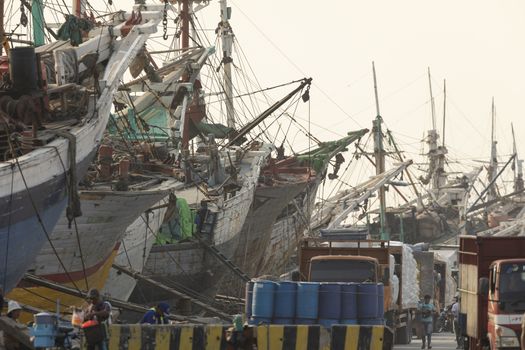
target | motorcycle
[{"x": 445, "y": 321}]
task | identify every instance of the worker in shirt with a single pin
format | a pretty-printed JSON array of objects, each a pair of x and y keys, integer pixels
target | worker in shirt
[
  {"x": 457, "y": 331},
  {"x": 99, "y": 310},
  {"x": 13, "y": 313},
  {"x": 427, "y": 310},
  {"x": 157, "y": 315}
]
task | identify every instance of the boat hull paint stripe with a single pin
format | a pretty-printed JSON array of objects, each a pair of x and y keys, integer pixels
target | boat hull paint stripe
[
  {"x": 30, "y": 294},
  {"x": 26, "y": 236}
]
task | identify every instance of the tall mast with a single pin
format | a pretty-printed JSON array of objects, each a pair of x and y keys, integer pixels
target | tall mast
[
  {"x": 185, "y": 16},
  {"x": 185, "y": 43},
  {"x": 226, "y": 34},
  {"x": 444, "y": 110},
  {"x": 2, "y": 31},
  {"x": 432, "y": 105},
  {"x": 432, "y": 140},
  {"x": 439, "y": 178},
  {"x": 493, "y": 166},
  {"x": 518, "y": 164},
  {"x": 379, "y": 155},
  {"x": 79, "y": 7}
]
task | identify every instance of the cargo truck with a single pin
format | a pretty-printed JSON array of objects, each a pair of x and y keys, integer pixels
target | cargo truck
[
  {"x": 344, "y": 260},
  {"x": 492, "y": 291}
]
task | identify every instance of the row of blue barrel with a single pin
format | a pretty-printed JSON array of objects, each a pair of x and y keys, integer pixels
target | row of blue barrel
[{"x": 322, "y": 303}]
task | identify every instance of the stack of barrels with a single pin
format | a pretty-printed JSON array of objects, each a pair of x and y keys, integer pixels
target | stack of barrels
[{"x": 287, "y": 302}]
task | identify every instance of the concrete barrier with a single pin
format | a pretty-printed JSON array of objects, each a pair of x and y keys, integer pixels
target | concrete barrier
[{"x": 265, "y": 337}]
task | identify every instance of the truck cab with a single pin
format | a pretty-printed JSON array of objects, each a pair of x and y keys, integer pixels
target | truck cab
[
  {"x": 492, "y": 291},
  {"x": 505, "y": 289},
  {"x": 343, "y": 268}
]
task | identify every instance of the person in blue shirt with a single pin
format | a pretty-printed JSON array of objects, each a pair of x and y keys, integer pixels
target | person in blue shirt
[
  {"x": 157, "y": 315},
  {"x": 427, "y": 310}
]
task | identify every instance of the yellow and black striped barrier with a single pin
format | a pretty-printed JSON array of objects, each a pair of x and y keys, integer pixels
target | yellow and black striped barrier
[
  {"x": 341, "y": 337},
  {"x": 266, "y": 337},
  {"x": 167, "y": 337}
]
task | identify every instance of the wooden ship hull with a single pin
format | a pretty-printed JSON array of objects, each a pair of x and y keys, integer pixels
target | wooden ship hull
[
  {"x": 88, "y": 247},
  {"x": 34, "y": 185}
]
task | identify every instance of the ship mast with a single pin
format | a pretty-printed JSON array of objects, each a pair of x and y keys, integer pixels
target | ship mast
[
  {"x": 436, "y": 153},
  {"x": 2, "y": 31},
  {"x": 79, "y": 7},
  {"x": 226, "y": 34},
  {"x": 185, "y": 43},
  {"x": 493, "y": 166},
  {"x": 518, "y": 165},
  {"x": 379, "y": 154}
]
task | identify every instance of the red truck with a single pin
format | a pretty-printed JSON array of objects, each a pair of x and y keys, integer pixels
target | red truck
[{"x": 492, "y": 291}]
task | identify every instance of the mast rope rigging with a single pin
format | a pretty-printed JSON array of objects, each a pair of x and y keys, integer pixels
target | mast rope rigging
[{"x": 254, "y": 92}]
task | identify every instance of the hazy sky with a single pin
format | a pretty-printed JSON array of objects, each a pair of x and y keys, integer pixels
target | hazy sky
[{"x": 477, "y": 46}]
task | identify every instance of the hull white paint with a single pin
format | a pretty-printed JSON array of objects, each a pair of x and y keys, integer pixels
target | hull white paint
[
  {"x": 287, "y": 230},
  {"x": 256, "y": 233},
  {"x": 105, "y": 217},
  {"x": 134, "y": 250}
]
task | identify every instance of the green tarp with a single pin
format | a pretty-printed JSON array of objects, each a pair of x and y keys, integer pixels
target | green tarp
[
  {"x": 317, "y": 158},
  {"x": 179, "y": 226}
]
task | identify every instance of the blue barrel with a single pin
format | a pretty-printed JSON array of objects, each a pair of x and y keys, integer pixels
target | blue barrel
[
  {"x": 330, "y": 301},
  {"x": 249, "y": 298},
  {"x": 305, "y": 321},
  {"x": 283, "y": 321},
  {"x": 349, "y": 301},
  {"x": 349, "y": 321},
  {"x": 372, "y": 321},
  {"x": 366, "y": 301},
  {"x": 263, "y": 297},
  {"x": 380, "y": 300},
  {"x": 285, "y": 300},
  {"x": 307, "y": 301},
  {"x": 327, "y": 322}
]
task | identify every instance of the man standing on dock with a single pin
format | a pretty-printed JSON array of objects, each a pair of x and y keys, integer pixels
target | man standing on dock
[
  {"x": 457, "y": 330},
  {"x": 427, "y": 310}
]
